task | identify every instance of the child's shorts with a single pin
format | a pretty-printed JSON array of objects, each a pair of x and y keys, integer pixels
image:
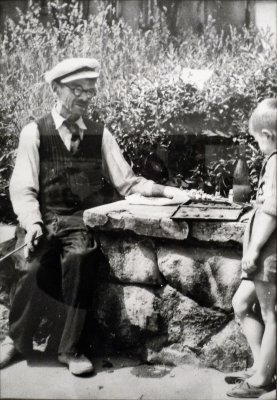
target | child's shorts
[
  {"x": 267, "y": 261},
  {"x": 266, "y": 270}
]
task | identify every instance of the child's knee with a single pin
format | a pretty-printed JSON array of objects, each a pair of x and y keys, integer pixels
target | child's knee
[{"x": 241, "y": 307}]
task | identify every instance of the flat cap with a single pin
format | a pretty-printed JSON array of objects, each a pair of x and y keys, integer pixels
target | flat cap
[{"x": 72, "y": 69}]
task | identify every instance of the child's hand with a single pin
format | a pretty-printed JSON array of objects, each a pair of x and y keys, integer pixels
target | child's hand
[{"x": 249, "y": 259}]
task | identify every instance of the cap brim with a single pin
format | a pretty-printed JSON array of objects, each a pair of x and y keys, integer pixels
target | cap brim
[{"x": 80, "y": 75}]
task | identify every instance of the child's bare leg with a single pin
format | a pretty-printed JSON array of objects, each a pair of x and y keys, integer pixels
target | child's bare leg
[
  {"x": 266, "y": 293},
  {"x": 251, "y": 323}
]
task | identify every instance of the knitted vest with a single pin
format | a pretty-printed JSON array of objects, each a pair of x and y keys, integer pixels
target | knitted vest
[{"x": 70, "y": 182}]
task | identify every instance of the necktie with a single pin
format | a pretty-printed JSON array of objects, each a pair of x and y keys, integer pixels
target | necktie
[{"x": 75, "y": 138}]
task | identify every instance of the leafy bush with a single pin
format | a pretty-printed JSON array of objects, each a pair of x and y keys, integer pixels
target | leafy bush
[{"x": 141, "y": 99}]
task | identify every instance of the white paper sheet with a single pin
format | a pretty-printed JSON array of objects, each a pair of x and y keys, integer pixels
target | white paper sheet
[{"x": 137, "y": 198}]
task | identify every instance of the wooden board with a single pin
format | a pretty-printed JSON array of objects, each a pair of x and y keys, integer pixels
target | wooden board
[{"x": 208, "y": 211}]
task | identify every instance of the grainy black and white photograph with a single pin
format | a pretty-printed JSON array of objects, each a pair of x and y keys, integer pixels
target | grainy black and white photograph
[{"x": 138, "y": 199}]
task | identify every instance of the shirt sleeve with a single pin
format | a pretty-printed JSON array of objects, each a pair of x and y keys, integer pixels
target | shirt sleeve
[
  {"x": 269, "y": 205},
  {"x": 24, "y": 184},
  {"x": 119, "y": 172}
]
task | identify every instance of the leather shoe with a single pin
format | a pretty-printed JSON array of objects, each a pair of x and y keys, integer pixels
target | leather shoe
[
  {"x": 77, "y": 364},
  {"x": 7, "y": 352}
]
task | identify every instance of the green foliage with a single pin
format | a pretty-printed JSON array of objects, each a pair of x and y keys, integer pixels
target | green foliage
[{"x": 140, "y": 96}]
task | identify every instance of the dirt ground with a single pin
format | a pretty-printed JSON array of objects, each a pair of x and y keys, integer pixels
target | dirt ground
[{"x": 115, "y": 379}]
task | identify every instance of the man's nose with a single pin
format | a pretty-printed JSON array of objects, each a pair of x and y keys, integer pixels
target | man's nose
[{"x": 85, "y": 96}]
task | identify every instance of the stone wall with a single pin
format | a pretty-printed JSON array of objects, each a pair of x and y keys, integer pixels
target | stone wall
[
  {"x": 170, "y": 301},
  {"x": 164, "y": 288},
  {"x": 167, "y": 290}
]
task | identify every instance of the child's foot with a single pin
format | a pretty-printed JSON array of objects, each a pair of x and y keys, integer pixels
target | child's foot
[
  {"x": 257, "y": 380},
  {"x": 245, "y": 391},
  {"x": 239, "y": 376},
  {"x": 269, "y": 396}
]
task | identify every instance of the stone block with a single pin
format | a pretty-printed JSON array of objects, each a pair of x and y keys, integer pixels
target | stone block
[
  {"x": 130, "y": 260},
  {"x": 210, "y": 276},
  {"x": 181, "y": 269},
  {"x": 186, "y": 322},
  {"x": 223, "y": 268},
  {"x": 172, "y": 355},
  {"x": 7, "y": 232},
  {"x": 4, "y": 321},
  {"x": 218, "y": 231},
  {"x": 227, "y": 350},
  {"x": 128, "y": 312},
  {"x": 8, "y": 275}
]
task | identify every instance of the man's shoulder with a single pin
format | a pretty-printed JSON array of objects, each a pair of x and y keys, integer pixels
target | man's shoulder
[
  {"x": 45, "y": 117},
  {"x": 45, "y": 124},
  {"x": 29, "y": 127},
  {"x": 29, "y": 134}
]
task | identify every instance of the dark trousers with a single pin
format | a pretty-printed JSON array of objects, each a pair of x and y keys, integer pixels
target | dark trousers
[{"x": 62, "y": 268}]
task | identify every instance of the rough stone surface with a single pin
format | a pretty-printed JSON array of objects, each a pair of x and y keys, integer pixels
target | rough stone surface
[
  {"x": 185, "y": 321},
  {"x": 223, "y": 268},
  {"x": 210, "y": 276},
  {"x": 4, "y": 315},
  {"x": 227, "y": 350},
  {"x": 152, "y": 221},
  {"x": 6, "y": 232},
  {"x": 156, "y": 221},
  {"x": 127, "y": 311},
  {"x": 217, "y": 231},
  {"x": 184, "y": 272},
  {"x": 130, "y": 260},
  {"x": 8, "y": 274},
  {"x": 172, "y": 355}
]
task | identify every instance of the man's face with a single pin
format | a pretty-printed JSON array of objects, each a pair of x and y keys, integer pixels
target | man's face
[
  {"x": 75, "y": 97},
  {"x": 266, "y": 141}
]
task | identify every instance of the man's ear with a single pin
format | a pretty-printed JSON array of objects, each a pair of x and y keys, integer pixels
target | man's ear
[
  {"x": 270, "y": 135},
  {"x": 55, "y": 87}
]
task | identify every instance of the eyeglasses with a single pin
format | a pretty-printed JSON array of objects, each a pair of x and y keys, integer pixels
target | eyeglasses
[{"x": 78, "y": 91}]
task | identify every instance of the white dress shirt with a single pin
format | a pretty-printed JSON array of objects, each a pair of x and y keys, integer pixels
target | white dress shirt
[{"x": 24, "y": 185}]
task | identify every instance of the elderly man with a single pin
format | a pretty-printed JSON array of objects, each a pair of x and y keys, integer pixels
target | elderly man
[{"x": 61, "y": 161}]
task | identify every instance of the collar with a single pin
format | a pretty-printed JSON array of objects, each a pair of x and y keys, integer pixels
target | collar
[
  {"x": 59, "y": 120},
  {"x": 270, "y": 155}
]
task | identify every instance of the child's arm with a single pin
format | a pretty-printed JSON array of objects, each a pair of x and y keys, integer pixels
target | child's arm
[{"x": 266, "y": 224}]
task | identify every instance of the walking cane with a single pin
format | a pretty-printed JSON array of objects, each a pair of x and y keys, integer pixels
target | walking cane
[{"x": 17, "y": 249}]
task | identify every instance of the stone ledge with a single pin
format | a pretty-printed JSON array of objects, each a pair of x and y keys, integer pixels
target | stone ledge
[
  {"x": 155, "y": 221},
  {"x": 143, "y": 220}
]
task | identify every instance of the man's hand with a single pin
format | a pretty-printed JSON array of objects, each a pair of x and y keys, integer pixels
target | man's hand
[
  {"x": 31, "y": 241},
  {"x": 176, "y": 194},
  {"x": 249, "y": 259}
]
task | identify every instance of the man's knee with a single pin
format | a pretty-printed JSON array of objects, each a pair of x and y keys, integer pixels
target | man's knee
[{"x": 82, "y": 256}]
